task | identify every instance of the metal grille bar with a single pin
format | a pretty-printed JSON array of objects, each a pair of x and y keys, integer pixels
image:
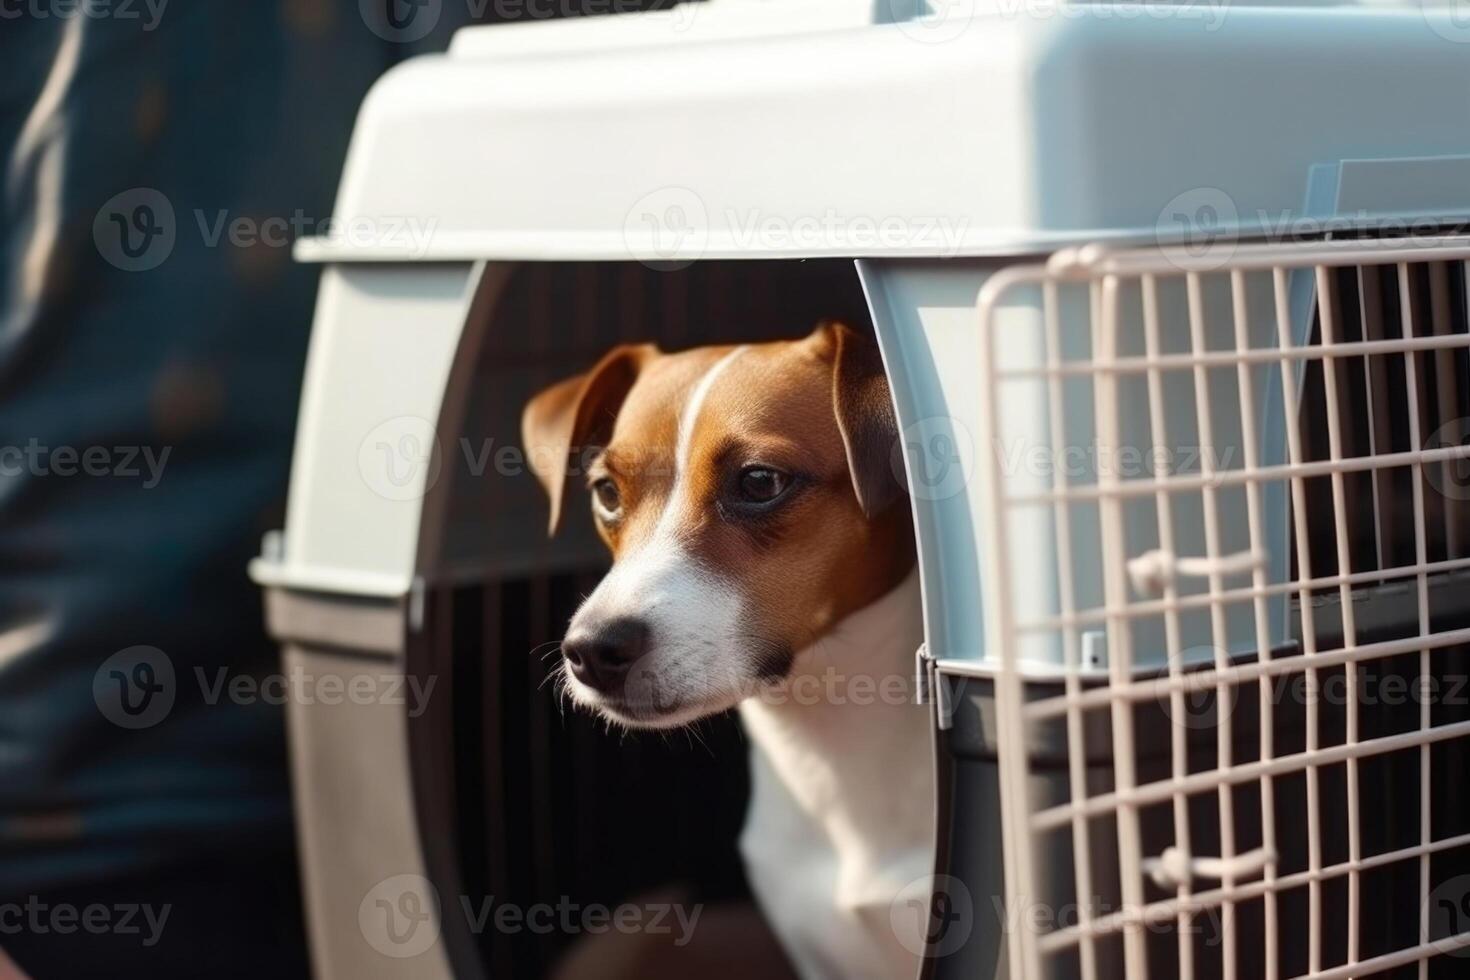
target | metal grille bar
[{"x": 1324, "y": 384}]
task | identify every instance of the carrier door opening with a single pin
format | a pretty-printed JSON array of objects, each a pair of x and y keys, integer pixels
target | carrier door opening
[{"x": 529, "y": 809}]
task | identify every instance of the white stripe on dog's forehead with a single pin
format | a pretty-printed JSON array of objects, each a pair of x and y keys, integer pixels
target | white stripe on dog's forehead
[
  {"x": 690, "y": 416},
  {"x": 692, "y": 609}
]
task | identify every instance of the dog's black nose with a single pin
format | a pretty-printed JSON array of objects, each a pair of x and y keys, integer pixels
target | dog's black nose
[{"x": 599, "y": 658}]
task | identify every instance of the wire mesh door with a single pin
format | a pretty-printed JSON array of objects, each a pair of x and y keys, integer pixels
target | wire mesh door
[{"x": 1228, "y": 598}]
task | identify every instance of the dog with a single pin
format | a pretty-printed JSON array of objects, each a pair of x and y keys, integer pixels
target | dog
[{"x": 764, "y": 561}]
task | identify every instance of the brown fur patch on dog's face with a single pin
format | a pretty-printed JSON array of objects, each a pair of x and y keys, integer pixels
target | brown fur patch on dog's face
[{"x": 757, "y": 582}]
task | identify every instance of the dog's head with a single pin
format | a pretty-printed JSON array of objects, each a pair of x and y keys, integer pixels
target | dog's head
[{"x": 750, "y": 502}]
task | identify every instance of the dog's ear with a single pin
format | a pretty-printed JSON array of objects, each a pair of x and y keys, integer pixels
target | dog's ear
[
  {"x": 575, "y": 414},
  {"x": 864, "y": 411}
]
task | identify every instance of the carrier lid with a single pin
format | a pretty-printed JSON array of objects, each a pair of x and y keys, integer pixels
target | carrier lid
[{"x": 869, "y": 128}]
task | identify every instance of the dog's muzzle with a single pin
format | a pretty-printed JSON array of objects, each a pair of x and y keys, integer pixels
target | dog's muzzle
[{"x": 600, "y": 657}]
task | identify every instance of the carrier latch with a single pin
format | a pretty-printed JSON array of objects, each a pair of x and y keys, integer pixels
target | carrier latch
[
  {"x": 923, "y": 685},
  {"x": 1175, "y": 867},
  {"x": 1153, "y": 571}
]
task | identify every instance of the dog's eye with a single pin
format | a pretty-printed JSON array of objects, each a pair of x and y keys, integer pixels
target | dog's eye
[
  {"x": 761, "y": 484},
  {"x": 609, "y": 501}
]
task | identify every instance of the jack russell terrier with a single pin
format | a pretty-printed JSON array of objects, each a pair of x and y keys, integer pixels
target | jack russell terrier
[{"x": 764, "y": 558}]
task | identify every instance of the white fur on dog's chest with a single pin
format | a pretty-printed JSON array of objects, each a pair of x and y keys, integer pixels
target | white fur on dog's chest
[{"x": 841, "y": 815}]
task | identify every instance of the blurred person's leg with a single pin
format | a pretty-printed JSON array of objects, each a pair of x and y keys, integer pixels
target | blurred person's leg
[
  {"x": 150, "y": 360},
  {"x": 158, "y": 156}
]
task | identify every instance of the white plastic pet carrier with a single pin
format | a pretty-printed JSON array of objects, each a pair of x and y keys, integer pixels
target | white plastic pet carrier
[{"x": 1173, "y": 303}]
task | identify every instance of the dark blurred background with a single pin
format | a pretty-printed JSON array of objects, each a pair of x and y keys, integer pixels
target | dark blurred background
[{"x": 148, "y": 391}]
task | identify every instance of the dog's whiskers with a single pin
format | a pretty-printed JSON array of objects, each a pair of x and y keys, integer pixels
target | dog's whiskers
[
  {"x": 551, "y": 647},
  {"x": 693, "y": 730}
]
